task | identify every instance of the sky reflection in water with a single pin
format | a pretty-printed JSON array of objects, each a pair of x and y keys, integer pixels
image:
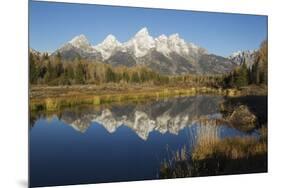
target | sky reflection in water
[{"x": 118, "y": 142}]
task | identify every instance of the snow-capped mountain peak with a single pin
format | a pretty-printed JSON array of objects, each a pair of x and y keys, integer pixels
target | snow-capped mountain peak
[
  {"x": 111, "y": 39},
  {"x": 240, "y": 57},
  {"x": 241, "y": 53},
  {"x": 141, "y": 43},
  {"x": 162, "y": 37},
  {"x": 234, "y": 54},
  {"x": 178, "y": 44},
  {"x": 162, "y": 45},
  {"x": 165, "y": 54},
  {"x": 142, "y": 32},
  {"x": 81, "y": 42},
  {"x": 174, "y": 36},
  {"x": 108, "y": 46}
]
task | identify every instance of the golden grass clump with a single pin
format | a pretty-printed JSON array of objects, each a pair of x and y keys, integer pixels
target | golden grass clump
[
  {"x": 96, "y": 100},
  {"x": 51, "y": 104},
  {"x": 230, "y": 148},
  {"x": 206, "y": 140}
]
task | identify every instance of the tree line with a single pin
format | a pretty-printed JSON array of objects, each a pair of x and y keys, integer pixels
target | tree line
[
  {"x": 256, "y": 74},
  {"x": 52, "y": 70}
]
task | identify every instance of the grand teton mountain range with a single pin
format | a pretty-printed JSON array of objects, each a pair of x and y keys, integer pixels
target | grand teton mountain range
[{"x": 169, "y": 55}]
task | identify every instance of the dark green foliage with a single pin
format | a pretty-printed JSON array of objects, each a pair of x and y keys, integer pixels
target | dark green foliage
[
  {"x": 259, "y": 71},
  {"x": 80, "y": 74},
  {"x": 33, "y": 69},
  {"x": 263, "y": 62},
  {"x": 256, "y": 74},
  {"x": 45, "y": 56},
  {"x": 69, "y": 74},
  {"x": 241, "y": 76},
  {"x": 50, "y": 73},
  {"x": 238, "y": 78},
  {"x": 135, "y": 77},
  {"x": 125, "y": 77},
  {"x": 110, "y": 75}
]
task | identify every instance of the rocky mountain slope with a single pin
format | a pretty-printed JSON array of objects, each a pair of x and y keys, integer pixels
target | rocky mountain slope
[
  {"x": 241, "y": 57},
  {"x": 164, "y": 54}
]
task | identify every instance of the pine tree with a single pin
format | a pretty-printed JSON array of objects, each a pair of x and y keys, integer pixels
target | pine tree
[
  {"x": 135, "y": 77},
  {"x": 125, "y": 76},
  {"x": 80, "y": 75},
  {"x": 263, "y": 57},
  {"x": 50, "y": 74},
  {"x": 241, "y": 76},
  {"x": 33, "y": 69},
  {"x": 58, "y": 65},
  {"x": 110, "y": 75}
]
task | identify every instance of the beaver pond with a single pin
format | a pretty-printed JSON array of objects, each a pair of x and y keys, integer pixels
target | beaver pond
[{"x": 130, "y": 141}]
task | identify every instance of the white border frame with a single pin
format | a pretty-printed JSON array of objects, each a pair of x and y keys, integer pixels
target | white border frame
[{"x": 14, "y": 87}]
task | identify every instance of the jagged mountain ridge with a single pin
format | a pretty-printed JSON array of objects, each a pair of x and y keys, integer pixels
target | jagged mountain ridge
[
  {"x": 240, "y": 57},
  {"x": 164, "y": 54}
]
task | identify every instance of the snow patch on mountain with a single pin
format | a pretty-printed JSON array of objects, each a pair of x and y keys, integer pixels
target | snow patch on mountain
[
  {"x": 178, "y": 45},
  {"x": 140, "y": 44},
  {"x": 80, "y": 41},
  {"x": 165, "y": 54},
  {"x": 108, "y": 46},
  {"x": 162, "y": 45}
]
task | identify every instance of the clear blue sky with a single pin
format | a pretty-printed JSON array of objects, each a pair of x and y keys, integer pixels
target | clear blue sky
[{"x": 53, "y": 24}]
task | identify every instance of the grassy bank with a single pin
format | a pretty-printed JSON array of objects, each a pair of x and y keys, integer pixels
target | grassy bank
[{"x": 56, "y": 97}]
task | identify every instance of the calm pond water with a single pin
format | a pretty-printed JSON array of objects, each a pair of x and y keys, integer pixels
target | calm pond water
[{"x": 118, "y": 142}]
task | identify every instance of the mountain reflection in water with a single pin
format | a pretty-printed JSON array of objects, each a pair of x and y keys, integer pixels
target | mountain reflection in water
[
  {"x": 118, "y": 142},
  {"x": 170, "y": 115}
]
